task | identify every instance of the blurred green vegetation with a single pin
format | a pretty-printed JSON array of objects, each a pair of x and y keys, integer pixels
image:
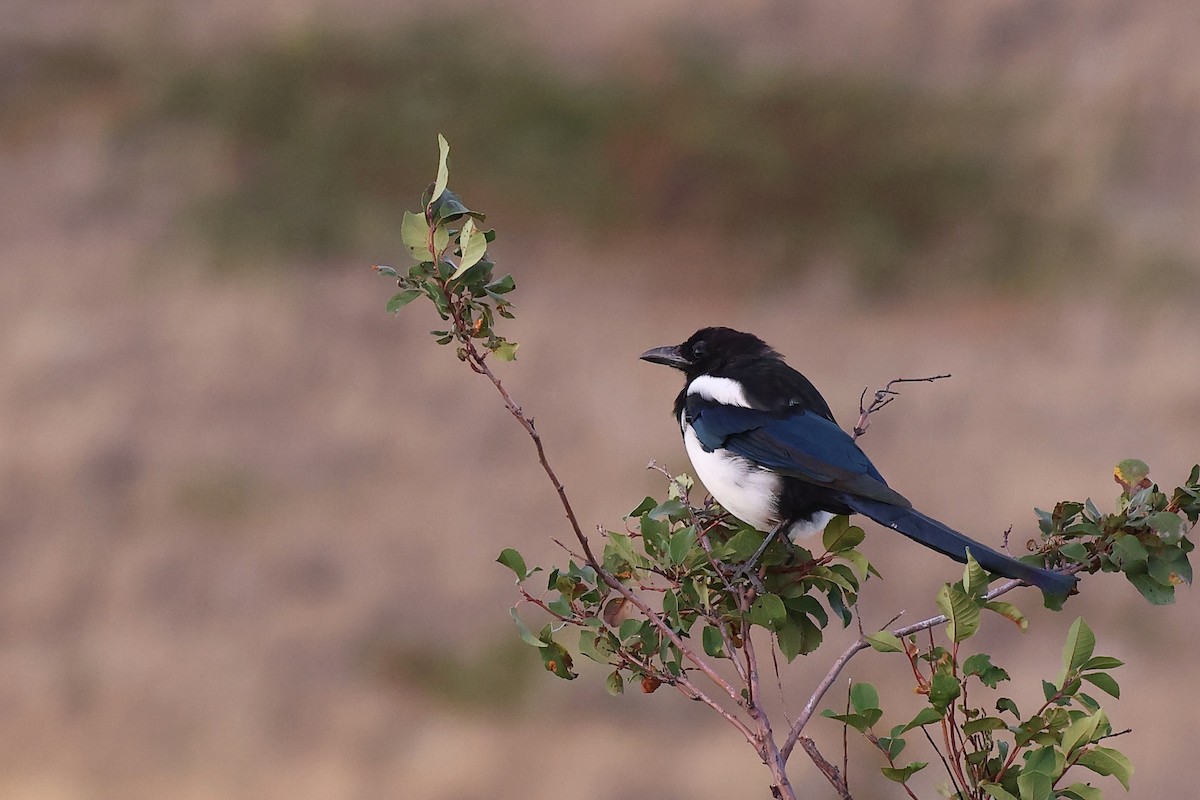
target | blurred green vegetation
[
  {"x": 330, "y": 135},
  {"x": 223, "y": 494},
  {"x": 496, "y": 678},
  {"x": 321, "y": 139}
]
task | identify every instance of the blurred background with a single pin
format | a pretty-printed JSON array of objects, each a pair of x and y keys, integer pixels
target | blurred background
[{"x": 248, "y": 520}]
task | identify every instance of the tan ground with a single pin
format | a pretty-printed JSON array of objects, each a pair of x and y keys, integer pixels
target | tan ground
[{"x": 229, "y": 506}]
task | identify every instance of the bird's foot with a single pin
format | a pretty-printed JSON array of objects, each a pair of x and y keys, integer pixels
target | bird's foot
[{"x": 749, "y": 572}]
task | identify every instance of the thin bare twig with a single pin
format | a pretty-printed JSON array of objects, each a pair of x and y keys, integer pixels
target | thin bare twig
[
  {"x": 691, "y": 692},
  {"x": 882, "y": 398},
  {"x": 937, "y": 750},
  {"x": 836, "y": 779}
]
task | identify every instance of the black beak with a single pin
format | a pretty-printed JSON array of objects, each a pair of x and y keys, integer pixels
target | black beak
[{"x": 669, "y": 355}]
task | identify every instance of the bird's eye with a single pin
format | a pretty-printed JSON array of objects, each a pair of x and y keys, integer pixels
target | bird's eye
[{"x": 699, "y": 349}]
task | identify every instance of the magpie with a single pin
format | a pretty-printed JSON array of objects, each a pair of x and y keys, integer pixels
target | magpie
[{"x": 765, "y": 444}]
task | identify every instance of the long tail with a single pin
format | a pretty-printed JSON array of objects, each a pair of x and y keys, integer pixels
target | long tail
[{"x": 949, "y": 542}]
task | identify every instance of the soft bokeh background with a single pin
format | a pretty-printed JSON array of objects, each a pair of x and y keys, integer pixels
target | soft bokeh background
[{"x": 248, "y": 521}]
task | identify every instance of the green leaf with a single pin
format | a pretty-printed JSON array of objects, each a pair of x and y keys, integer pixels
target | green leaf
[
  {"x": 1082, "y": 791},
  {"x": 621, "y": 546},
  {"x": 673, "y": 509},
  {"x": 1009, "y": 612},
  {"x": 523, "y": 632},
  {"x": 1006, "y": 704},
  {"x": 798, "y": 636},
  {"x": 901, "y": 775},
  {"x": 503, "y": 286},
  {"x": 856, "y": 721},
  {"x": 858, "y": 561},
  {"x": 962, "y": 614},
  {"x": 1035, "y": 786},
  {"x": 654, "y": 534},
  {"x": 513, "y": 560},
  {"x": 449, "y": 208},
  {"x": 998, "y": 792},
  {"x": 629, "y": 629},
  {"x": 840, "y": 535},
  {"x": 441, "y": 238},
  {"x": 1152, "y": 590},
  {"x": 1103, "y": 662},
  {"x": 1167, "y": 524},
  {"x": 975, "y": 580},
  {"x": 1074, "y": 551},
  {"x": 681, "y": 544},
  {"x": 768, "y": 611},
  {"x": 1131, "y": 471},
  {"x": 643, "y": 507},
  {"x": 943, "y": 690},
  {"x": 670, "y": 606},
  {"x": 401, "y": 299},
  {"x": 1104, "y": 682},
  {"x": 1083, "y": 731},
  {"x": 443, "y": 173},
  {"x": 1106, "y": 761},
  {"x": 711, "y": 638},
  {"x": 983, "y": 724},
  {"x": 885, "y": 642},
  {"x": 1080, "y": 644},
  {"x": 1170, "y": 567},
  {"x": 981, "y": 665},
  {"x": 863, "y": 697},
  {"x": 587, "y": 646},
  {"x": 556, "y": 659},
  {"x": 926, "y": 716},
  {"x": 892, "y": 746},
  {"x": 613, "y": 684},
  {"x": 1045, "y": 760},
  {"x": 807, "y": 604},
  {"x": 680, "y": 486},
  {"x": 414, "y": 232},
  {"x": 473, "y": 246},
  {"x": 743, "y": 544},
  {"x": 506, "y": 351},
  {"x": 1129, "y": 554}
]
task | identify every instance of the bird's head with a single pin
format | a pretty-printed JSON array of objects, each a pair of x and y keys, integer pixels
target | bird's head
[{"x": 710, "y": 350}]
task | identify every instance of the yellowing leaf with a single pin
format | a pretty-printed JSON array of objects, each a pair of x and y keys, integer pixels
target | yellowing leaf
[{"x": 443, "y": 176}]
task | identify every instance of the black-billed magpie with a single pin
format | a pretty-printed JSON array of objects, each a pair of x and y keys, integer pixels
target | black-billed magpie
[{"x": 766, "y": 446}]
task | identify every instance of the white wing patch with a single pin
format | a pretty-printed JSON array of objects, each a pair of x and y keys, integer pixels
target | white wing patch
[{"x": 725, "y": 391}]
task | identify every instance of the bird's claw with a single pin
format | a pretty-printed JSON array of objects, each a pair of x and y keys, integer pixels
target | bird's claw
[{"x": 749, "y": 572}]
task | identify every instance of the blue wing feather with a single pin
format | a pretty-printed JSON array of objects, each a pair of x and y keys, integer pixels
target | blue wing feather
[{"x": 803, "y": 445}]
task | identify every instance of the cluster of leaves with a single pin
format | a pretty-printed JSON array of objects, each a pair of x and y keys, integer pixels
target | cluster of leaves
[
  {"x": 998, "y": 753},
  {"x": 682, "y": 554},
  {"x": 1146, "y": 538},
  {"x": 669, "y": 596},
  {"x": 453, "y": 269}
]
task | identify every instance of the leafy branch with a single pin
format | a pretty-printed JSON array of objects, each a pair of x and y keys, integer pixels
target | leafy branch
[{"x": 660, "y": 601}]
